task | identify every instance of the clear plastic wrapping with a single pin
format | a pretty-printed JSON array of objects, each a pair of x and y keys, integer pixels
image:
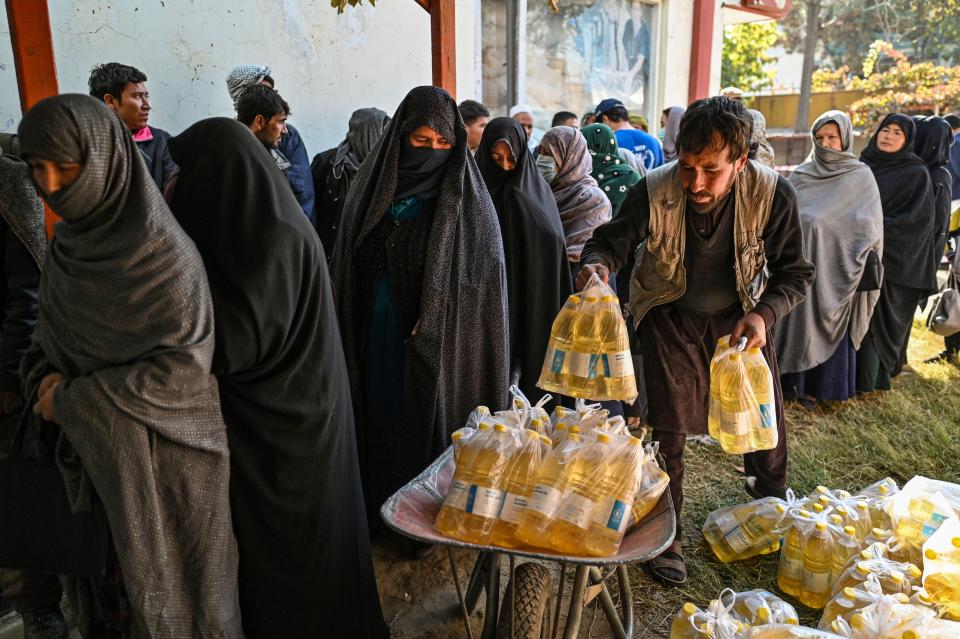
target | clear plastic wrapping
[
  {"x": 941, "y": 569},
  {"x": 742, "y": 415},
  {"x": 746, "y": 530},
  {"x": 588, "y": 355}
]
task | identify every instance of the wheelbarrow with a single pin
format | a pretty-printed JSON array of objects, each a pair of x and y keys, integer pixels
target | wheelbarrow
[{"x": 531, "y": 607}]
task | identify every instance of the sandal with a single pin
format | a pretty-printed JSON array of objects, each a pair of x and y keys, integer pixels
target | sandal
[
  {"x": 754, "y": 491},
  {"x": 669, "y": 568}
]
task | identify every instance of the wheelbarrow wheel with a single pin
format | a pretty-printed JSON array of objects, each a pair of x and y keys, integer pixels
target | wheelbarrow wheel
[{"x": 532, "y": 617}]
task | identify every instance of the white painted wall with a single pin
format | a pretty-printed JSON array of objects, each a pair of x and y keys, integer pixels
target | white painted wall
[
  {"x": 676, "y": 40},
  {"x": 324, "y": 65}
]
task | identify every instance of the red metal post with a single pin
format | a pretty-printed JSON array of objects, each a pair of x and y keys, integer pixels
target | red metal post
[
  {"x": 443, "y": 40},
  {"x": 32, "y": 45},
  {"x": 701, "y": 50}
]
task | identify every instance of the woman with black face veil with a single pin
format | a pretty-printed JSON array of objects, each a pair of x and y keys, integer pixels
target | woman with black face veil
[
  {"x": 421, "y": 294},
  {"x": 120, "y": 361},
  {"x": 909, "y": 225},
  {"x": 538, "y": 273},
  {"x": 305, "y": 568}
]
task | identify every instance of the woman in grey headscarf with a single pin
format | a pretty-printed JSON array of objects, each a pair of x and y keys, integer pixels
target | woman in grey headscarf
[
  {"x": 334, "y": 170},
  {"x": 760, "y": 148},
  {"x": 121, "y": 362},
  {"x": 670, "y": 123},
  {"x": 565, "y": 163},
  {"x": 842, "y": 221}
]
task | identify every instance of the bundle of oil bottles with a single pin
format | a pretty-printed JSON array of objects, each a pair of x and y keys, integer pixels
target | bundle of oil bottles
[
  {"x": 573, "y": 482},
  {"x": 883, "y": 563},
  {"x": 588, "y": 355},
  {"x": 742, "y": 414}
]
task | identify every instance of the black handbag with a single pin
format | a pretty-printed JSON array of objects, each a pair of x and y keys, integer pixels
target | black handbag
[
  {"x": 39, "y": 532},
  {"x": 872, "y": 276}
]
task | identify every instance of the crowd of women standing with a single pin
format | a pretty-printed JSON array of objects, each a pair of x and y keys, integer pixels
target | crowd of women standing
[{"x": 240, "y": 414}]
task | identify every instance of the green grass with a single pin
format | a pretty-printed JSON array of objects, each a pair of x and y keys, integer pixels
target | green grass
[{"x": 912, "y": 430}]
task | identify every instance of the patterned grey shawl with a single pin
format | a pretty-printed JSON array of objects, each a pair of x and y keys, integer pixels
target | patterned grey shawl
[
  {"x": 243, "y": 76},
  {"x": 583, "y": 206},
  {"x": 842, "y": 221},
  {"x": 366, "y": 127},
  {"x": 126, "y": 316},
  {"x": 458, "y": 358},
  {"x": 17, "y": 195}
]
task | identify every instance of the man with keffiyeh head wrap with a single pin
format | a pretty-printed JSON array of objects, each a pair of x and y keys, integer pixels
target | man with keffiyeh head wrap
[{"x": 291, "y": 146}]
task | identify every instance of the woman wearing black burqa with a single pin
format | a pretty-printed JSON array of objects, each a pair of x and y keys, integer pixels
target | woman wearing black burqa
[
  {"x": 305, "y": 568},
  {"x": 121, "y": 361},
  {"x": 909, "y": 225},
  {"x": 421, "y": 294},
  {"x": 934, "y": 138},
  {"x": 538, "y": 273}
]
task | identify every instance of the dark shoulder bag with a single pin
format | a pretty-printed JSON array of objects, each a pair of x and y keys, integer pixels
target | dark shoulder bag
[
  {"x": 872, "y": 273},
  {"x": 39, "y": 532}
]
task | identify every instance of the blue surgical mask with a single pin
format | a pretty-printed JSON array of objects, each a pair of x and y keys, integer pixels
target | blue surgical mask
[
  {"x": 547, "y": 167},
  {"x": 662, "y": 134}
]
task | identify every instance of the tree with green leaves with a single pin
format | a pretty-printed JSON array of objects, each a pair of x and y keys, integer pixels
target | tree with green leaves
[{"x": 746, "y": 60}]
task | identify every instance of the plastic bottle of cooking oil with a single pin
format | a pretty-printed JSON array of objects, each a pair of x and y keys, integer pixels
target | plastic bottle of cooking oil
[
  {"x": 790, "y": 572},
  {"x": 478, "y": 482},
  {"x": 520, "y": 474},
  {"x": 845, "y": 548},
  {"x": 737, "y": 417},
  {"x": 685, "y": 624},
  {"x": 568, "y": 531},
  {"x": 764, "y": 437},
  {"x": 449, "y": 517},
  {"x": 817, "y": 560},
  {"x": 617, "y": 488},
  {"x": 863, "y": 521},
  {"x": 585, "y": 357},
  {"x": 553, "y": 377},
  {"x": 752, "y": 531},
  {"x": 548, "y": 489},
  {"x": 616, "y": 376}
]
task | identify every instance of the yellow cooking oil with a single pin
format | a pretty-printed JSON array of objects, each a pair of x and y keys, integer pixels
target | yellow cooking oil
[
  {"x": 548, "y": 489},
  {"x": 554, "y": 374},
  {"x": 520, "y": 474},
  {"x": 568, "y": 531},
  {"x": 790, "y": 571},
  {"x": 817, "y": 566},
  {"x": 617, "y": 489}
]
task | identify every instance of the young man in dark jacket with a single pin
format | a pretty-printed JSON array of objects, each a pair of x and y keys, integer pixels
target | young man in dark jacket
[
  {"x": 123, "y": 88},
  {"x": 22, "y": 249}
]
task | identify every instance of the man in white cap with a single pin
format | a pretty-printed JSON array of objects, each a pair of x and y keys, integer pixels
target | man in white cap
[
  {"x": 523, "y": 114},
  {"x": 291, "y": 147}
]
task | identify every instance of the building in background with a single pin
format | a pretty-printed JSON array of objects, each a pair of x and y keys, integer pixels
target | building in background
[{"x": 648, "y": 53}]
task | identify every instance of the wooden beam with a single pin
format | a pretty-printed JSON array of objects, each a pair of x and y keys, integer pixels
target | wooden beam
[
  {"x": 32, "y": 50},
  {"x": 32, "y": 45},
  {"x": 701, "y": 49},
  {"x": 444, "y": 45},
  {"x": 425, "y": 4}
]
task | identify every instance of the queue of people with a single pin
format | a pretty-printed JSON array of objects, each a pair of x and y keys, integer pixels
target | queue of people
[{"x": 239, "y": 356}]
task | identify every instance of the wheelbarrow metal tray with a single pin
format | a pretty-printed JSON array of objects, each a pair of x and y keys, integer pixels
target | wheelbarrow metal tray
[{"x": 413, "y": 509}]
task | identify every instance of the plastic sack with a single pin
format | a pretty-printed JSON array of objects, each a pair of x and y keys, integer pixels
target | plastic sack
[
  {"x": 520, "y": 473},
  {"x": 742, "y": 415},
  {"x": 851, "y": 600},
  {"x": 885, "y": 619},
  {"x": 548, "y": 489},
  {"x": 878, "y": 497},
  {"x": 588, "y": 355},
  {"x": 716, "y": 622},
  {"x": 746, "y": 530},
  {"x": 808, "y": 559},
  {"x": 921, "y": 507},
  {"x": 902, "y": 549},
  {"x": 472, "y": 504},
  {"x": 941, "y": 568},
  {"x": 894, "y": 576},
  {"x": 653, "y": 483},
  {"x": 758, "y": 607}
]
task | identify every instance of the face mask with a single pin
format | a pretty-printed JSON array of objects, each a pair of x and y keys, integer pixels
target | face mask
[
  {"x": 662, "y": 134},
  {"x": 547, "y": 167}
]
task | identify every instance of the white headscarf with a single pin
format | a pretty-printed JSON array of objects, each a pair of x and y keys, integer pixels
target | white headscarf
[{"x": 520, "y": 108}]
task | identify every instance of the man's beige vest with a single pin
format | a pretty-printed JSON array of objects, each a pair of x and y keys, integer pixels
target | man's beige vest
[{"x": 659, "y": 276}]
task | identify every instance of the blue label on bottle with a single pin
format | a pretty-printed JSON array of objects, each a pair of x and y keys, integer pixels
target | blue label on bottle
[
  {"x": 617, "y": 513},
  {"x": 606, "y": 365},
  {"x": 768, "y": 415},
  {"x": 592, "y": 369},
  {"x": 556, "y": 366},
  {"x": 471, "y": 498}
]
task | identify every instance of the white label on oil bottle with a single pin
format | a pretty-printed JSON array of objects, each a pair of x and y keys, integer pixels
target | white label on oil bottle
[
  {"x": 457, "y": 495},
  {"x": 580, "y": 364},
  {"x": 738, "y": 540},
  {"x": 613, "y": 514},
  {"x": 483, "y": 501},
  {"x": 619, "y": 364},
  {"x": 816, "y": 582},
  {"x": 513, "y": 507},
  {"x": 576, "y": 510},
  {"x": 545, "y": 500}
]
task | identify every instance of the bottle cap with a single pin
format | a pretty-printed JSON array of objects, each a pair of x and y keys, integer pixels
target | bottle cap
[
  {"x": 956, "y": 542},
  {"x": 836, "y": 519},
  {"x": 754, "y": 350},
  {"x": 591, "y": 300},
  {"x": 780, "y": 508},
  {"x": 823, "y": 490},
  {"x": 818, "y": 508},
  {"x": 734, "y": 357},
  {"x": 483, "y": 426},
  {"x": 910, "y": 634},
  {"x": 914, "y": 571},
  {"x": 862, "y": 505},
  {"x": 930, "y": 553},
  {"x": 850, "y": 530},
  {"x": 793, "y": 621},
  {"x": 857, "y": 621},
  {"x": 603, "y": 438},
  {"x": 902, "y": 598},
  {"x": 689, "y": 609},
  {"x": 500, "y": 428},
  {"x": 574, "y": 299},
  {"x": 573, "y": 437},
  {"x": 897, "y": 577},
  {"x": 850, "y": 593},
  {"x": 561, "y": 411},
  {"x": 457, "y": 436},
  {"x": 536, "y": 422},
  {"x": 863, "y": 568},
  {"x": 883, "y": 490},
  {"x": 560, "y": 426},
  {"x": 546, "y": 440},
  {"x": 483, "y": 410},
  {"x": 607, "y": 299},
  {"x": 574, "y": 430},
  {"x": 763, "y": 614},
  {"x": 821, "y": 526}
]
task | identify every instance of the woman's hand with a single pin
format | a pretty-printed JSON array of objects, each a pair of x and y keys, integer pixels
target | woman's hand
[{"x": 44, "y": 405}]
